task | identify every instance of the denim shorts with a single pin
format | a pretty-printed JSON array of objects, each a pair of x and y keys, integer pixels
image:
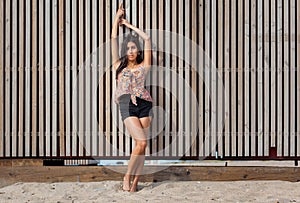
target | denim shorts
[{"x": 127, "y": 108}]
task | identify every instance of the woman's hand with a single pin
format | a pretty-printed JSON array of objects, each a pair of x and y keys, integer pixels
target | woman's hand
[
  {"x": 123, "y": 21},
  {"x": 121, "y": 11}
]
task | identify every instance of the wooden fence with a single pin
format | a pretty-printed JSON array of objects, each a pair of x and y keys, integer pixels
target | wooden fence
[{"x": 239, "y": 59}]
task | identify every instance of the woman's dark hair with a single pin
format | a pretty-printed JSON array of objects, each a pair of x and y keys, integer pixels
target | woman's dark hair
[{"x": 124, "y": 60}]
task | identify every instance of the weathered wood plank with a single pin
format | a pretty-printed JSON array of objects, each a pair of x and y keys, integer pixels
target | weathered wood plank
[
  {"x": 7, "y": 82},
  {"x": 61, "y": 69},
  {"x": 54, "y": 81},
  {"x": 2, "y": 86},
  {"x": 293, "y": 73},
  {"x": 246, "y": 88},
  {"x": 74, "y": 67},
  {"x": 267, "y": 70},
  {"x": 21, "y": 78},
  {"x": 240, "y": 80},
  {"x": 227, "y": 74},
  {"x": 279, "y": 75},
  {"x": 67, "y": 85},
  {"x": 14, "y": 78},
  {"x": 41, "y": 75},
  {"x": 28, "y": 48},
  {"x": 259, "y": 71},
  {"x": 50, "y": 174}
]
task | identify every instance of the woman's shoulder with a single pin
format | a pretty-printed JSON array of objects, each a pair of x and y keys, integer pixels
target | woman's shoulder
[{"x": 116, "y": 64}]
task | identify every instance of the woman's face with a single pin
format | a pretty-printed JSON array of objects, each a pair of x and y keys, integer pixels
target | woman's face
[{"x": 132, "y": 51}]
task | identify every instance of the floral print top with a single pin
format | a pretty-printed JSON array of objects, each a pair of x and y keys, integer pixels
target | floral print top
[{"x": 132, "y": 82}]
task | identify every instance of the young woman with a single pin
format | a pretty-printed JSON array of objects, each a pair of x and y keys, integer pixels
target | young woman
[{"x": 134, "y": 100}]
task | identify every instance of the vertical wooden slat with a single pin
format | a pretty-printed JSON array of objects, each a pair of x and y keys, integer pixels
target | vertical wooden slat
[
  {"x": 154, "y": 126},
  {"x": 54, "y": 77},
  {"x": 61, "y": 53},
  {"x": 108, "y": 81},
  {"x": 233, "y": 68},
  {"x": 273, "y": 73},
  {"x": 293, "y": 72},
  {"x": 207, "y": 77},
  {"x": 34, "y": 98},
  {"x": 68, "y": 88},
  {"x": 2, "y": 68},
  {"x": 247, "y": 78},
  {"x": 81, "y": 115},
  {"x": 267, "y": 70},
  {"x": 174, "y": 121},
  {"x": 160, "y": 78},
  {"x": 201, "y": 79},
  {"x": 48, "y": 82},
  {"x": 253, "y": 62},
  {"x": 187, "y": 70},
  {"x": 180, "y": 86},
  {"x": 7, "y": 78},
  {"x": 41, "y": 66},
  {"x": 74, "y": 67},
  {"x": 14, "y": 78},
  {"x": 240, "y": 74},
  {"x": 94, "y": 77},
  {"x": 212, "y": 68},
  {"x": 87, "y": 83},
  {"x": 298, "y": 79},
  {"x": 220, "y": 65},
  {"x": 193, "y": 62},
  {"x": 120, "y": 123},
  {"x": 21, "y": 78},
  {"x": 101, "y": 80},
  {"x": 114, "y": 106},
  {"x": 279, "y": 78},
  {"x": 285, "y": 78},
  {"x": 260, "y": 77},
  {"x": 27, "y": 79},
  {"x": 227, "y": 73}
]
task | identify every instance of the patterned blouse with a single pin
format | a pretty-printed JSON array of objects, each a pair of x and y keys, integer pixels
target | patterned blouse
[{"x": 132, "y": 82}]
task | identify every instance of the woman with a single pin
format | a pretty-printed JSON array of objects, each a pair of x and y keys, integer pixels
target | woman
[{"x": 134, "y": 100}]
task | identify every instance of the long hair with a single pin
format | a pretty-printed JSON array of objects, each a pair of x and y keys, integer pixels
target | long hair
[{"x": 124, "y": 59}]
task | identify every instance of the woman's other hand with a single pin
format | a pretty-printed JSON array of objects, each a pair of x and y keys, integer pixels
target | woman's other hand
[
  {"x": 123, "y": 21},
  {"x": 121, "y": 11}
]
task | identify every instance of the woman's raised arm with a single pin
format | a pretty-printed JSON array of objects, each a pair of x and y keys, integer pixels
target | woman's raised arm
[{"x": 114, "y": 41}]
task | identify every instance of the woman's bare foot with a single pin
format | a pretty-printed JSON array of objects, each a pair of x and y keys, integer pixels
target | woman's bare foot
[
  {"x": 134, "y": 183},
  {"x": 126, "y": 183}
]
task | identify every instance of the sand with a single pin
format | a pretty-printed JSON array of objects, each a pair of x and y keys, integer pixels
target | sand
[{"x": 168, "y": 191}]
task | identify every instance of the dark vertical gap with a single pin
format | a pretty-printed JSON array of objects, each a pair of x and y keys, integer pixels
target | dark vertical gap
[
  {"x": 289, "y": 81},
  {"x": 230, "y": 77},
  {"x": 296, "y": 80},
  {"x": 17, "y": 82},
  {"x": 243, "y": 85},
  {"x": 39, "y": 53},
  {"x": 223, "y": 78},
  {"x": 204, "y": 89},
  {"x": 217, "y": 79},
  {"x": 283, "y": 75},
  {"x": 197, "y": 75},
  {"x": 210, "y": 77},
  {"x": 237, "y": 75},
  {"x": 263, "y": 78}
]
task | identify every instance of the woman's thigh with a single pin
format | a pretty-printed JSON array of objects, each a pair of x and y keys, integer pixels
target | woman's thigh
[{"x": 135, "y": 128}]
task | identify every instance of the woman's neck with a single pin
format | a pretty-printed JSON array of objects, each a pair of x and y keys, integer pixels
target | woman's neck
[{"x": 131, "y": 64}]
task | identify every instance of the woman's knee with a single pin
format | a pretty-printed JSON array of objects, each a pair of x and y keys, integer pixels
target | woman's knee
[{"x": 142, "y": 144}]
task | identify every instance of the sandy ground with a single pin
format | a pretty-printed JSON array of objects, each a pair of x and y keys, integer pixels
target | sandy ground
[{"x": 169, "y": 191}]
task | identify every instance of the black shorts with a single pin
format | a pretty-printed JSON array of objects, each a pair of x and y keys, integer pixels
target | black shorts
[{"x": 127, "y": 108}]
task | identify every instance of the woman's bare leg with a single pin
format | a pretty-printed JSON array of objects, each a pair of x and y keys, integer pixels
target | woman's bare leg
[
  {"x": 145, "y": 122},
  {"x": 137, "y": 157}
]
